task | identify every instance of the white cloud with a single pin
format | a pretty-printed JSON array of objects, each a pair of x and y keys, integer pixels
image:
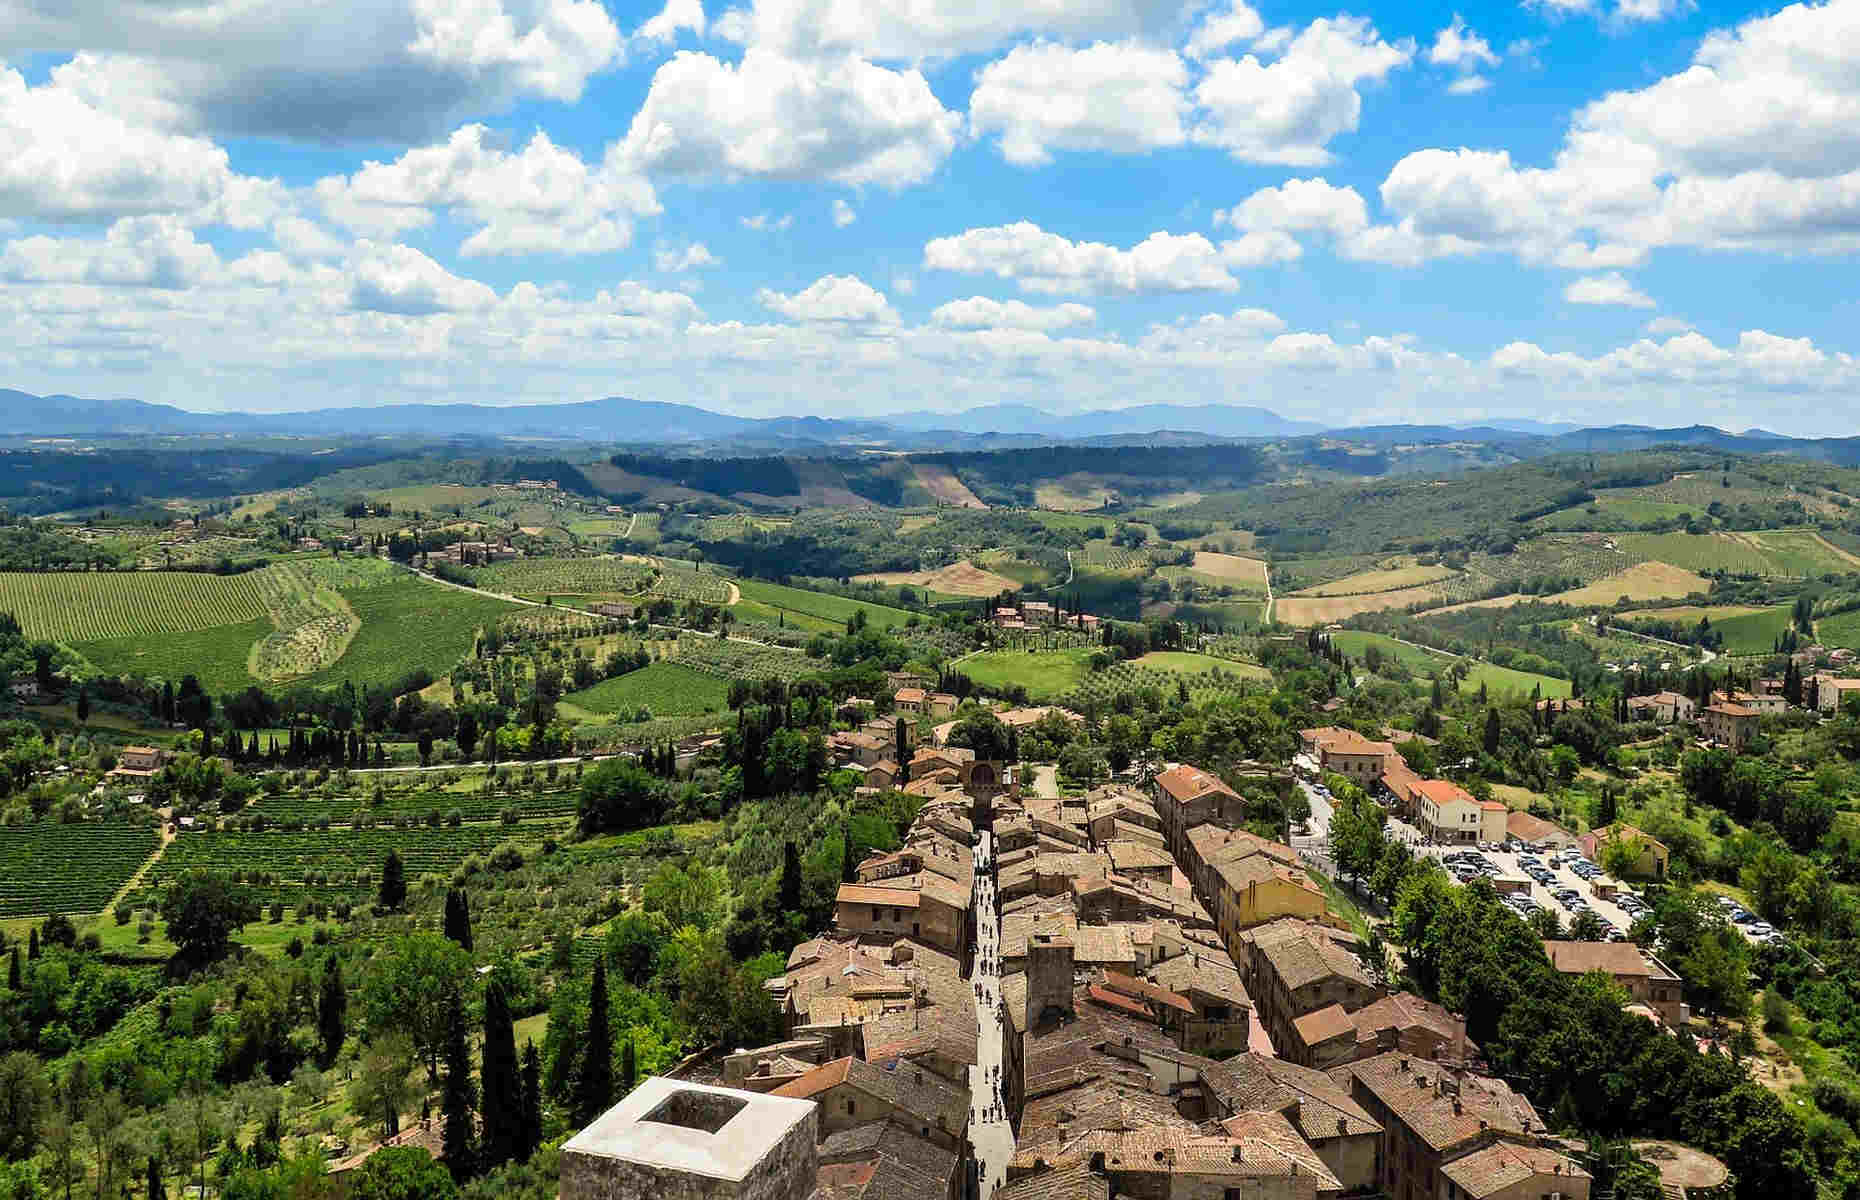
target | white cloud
[
  {"x": 540, "y": 200},
  {"x": 1666, "y": 326},
  {"x": 1468, "y": 85},
  {"x": 1289, "y": 110},
  {"x": 316, "y": 71},
  {"x": 1246, "y": 329},
  {"x": 981, "y": 312},
  {"x": 844, "y": 299},
  {"x": 843, "y": 214},
  {"x": 1300, "y": 206},
  {"x": 842, "y": 119},
  {"x": 765, "y": 223},
  {"x": 1753, "y": 146},
  {"x": 676, "y": 15},
  {"x": 1121, "y": 97},
  {"x": 400, "y": 280},
  {"x": 674, "y": 260},
  {"x": 1222, "y": 28},
  {"x": 1046, "y": 262},
  {"x": 937, "y": 29},
  {"x": 155, "y": 252},
  {"x": 1457, "y": 46},
  {"x": 1610, "y": 289},
  {"x": 1623, "y": 13},
  {"x": 63, "y": 159}
]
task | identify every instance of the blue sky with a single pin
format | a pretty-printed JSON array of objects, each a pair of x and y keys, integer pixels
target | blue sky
[{"x": 1593, "y": 210}]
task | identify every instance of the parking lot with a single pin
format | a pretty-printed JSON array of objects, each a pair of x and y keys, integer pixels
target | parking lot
[
  {"x": 1555, "y": 871},
  {"x": 1547, "y": 872}
]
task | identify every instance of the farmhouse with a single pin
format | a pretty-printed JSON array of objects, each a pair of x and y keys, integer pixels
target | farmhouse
[{"x": 1729, "y": 724}]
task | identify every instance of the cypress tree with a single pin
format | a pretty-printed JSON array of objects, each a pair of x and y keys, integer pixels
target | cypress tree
[
  {"x": 32, "y": 945},
  {"x": 502, "y": 1098},
  {"x": 459, "y": 1101},
  {"x": 629, "y": 1067},
  {"x": 790, "y": 878},
  {"x": 532, "y": 1100},
  {"x": 849, "y": 870},
  {"x": 594, "y": 1084},
  {"x": 157, "y": 1187},
  {"x": 393, "y": 881},
  {"x": 458, "y": 918},
  {"x": 1491, "y": 731},
  {"x": 332, "y": 1010},
  {"x": 12, "y": 972}
]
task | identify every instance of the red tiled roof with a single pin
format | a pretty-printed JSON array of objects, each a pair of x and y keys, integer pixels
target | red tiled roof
[{"x": 852, "y": 893}]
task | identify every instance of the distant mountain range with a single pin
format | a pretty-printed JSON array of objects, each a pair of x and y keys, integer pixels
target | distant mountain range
[{"x": 618, "y": 419}]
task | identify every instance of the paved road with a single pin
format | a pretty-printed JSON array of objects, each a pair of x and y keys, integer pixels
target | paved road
[
  {"x": 1507, "y": 863},
  {"x": 989, "y": 1129}
]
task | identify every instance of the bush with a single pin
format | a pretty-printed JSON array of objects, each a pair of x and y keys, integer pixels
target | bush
[
  {"x": 296, "y": 948},
  {"x": 1775, "y": 1011},
  {"x": 124, "y": 911}
]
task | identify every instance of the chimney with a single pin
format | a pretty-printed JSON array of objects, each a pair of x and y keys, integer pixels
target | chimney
[
  {"x": 1456, "y": 1106},
  {"x": 1342, "y": 1126},
  {"x": 1239, "y": 1154}
]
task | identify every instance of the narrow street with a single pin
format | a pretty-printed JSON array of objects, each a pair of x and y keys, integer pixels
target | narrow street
[{"x": 989, "y": 1129}]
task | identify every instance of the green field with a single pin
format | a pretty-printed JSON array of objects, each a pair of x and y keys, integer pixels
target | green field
[
  {"x": 668, "y": 689},
  {"x": 1790, "y": 552},
  {"x": 74, "y": 606},
  {"x": 220, "y": 658},
  {"x": 1498, "y": 680},
  {"x": 1841, "y": 629},
  {"x": 754, "y": 610},
  {"x": 1189, "y": 663},
  {"x": 837, "y": 609},
  {"x": 1745, "y": 630},
  {"x": 1045, "y": 674},
  {"x": 562, "y": 577},
  {"x": 48, "y": 867},
  {"x": 409, "y": 623}
]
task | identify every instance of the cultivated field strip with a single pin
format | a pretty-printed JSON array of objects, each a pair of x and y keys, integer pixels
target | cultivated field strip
[
  {"x": 47, "y": 867},
  {"x": 73, "y": 606}
]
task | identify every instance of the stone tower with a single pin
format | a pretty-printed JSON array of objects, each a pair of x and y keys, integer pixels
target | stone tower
[
  {"x": 694, "y": 1142},
  {"x": 1049, "y": 979}
]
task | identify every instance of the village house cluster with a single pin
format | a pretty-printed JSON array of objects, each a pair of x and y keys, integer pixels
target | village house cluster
[{"x": 1120, "y": 993}]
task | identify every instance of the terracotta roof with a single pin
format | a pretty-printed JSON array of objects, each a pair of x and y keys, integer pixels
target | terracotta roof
[
  {"x": 909, "y": 694},
  {"x": 1614, "y": 958},
  {"x": 1185, "y": 783},
  {"x": 852, "y": 893},
  {"x": 1202, "y": 972},
  {"x": 1525, "y": 827},
  {"x": 1324, "y": 1025},
  {"x": 1301, "y": 956},
  {"x": 909, "y": 1089},
  {"x": 1444, "y": 791},
  {"x": 1422, "y": 1095},
  {"x": 1504, "y": 1165},
  {"x": 1145, "y": 990},
  {"x": 1254, "y": 1082},
  {"x": 1136, "y": 856},
  {"x": 1733, "y": 710},
  {"x": 1405, "y": 1010}
]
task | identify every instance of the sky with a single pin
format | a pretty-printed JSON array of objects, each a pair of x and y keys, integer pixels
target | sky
[{"x": 1598, "y": 211}]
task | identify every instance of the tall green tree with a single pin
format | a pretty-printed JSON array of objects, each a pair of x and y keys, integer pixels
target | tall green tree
[
  {"x": 594, "y": 1082},
  {"x": 459, "y": 1101},
  {"x": 332, "y": 1011},
  {"x": 790, "y": 877},
  {"x": 629, "y": 1067},
  {"x": 157, "y": 1188},
  {"x": 393, "y": 881},
  {"x": 458, "y": 918},
  {"x": 532, "y": 1100},
  {"x": 502, "y": 1100},
  {"x": 1491, "y": 731},
  {"x": 12, "y": 971}
]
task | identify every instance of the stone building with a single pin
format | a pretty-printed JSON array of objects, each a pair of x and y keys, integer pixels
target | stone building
[{"x": 670, "y": 1140}]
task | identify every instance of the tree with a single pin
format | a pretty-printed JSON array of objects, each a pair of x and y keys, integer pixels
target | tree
[
  {"x": 790, "y": 878},
  {"x": 459, "y": 1100},
  {"x": 332, "y": 1010},
  {"x": 466, "y": 733},
  {"x": 849, "y": 869},
  {"x": 502, "y": 1098},
  {"x": 532, "y": 1100},
  {"x": 381, "y": 1088},
  {"x": 617, "y": 795},
  {"x": 402, "y": 1173},
  {"x": 393, "y": 881},
  {"x": 157, "y": 1188},
  {"x": 594, "y": 1082},
  {"x": 408, "y": 988},
  {"x": 24, "y": 1094},
  {"x": 1492, "y": 730},
  {"x": 983, "y": 733},
  {"x": 458, "y": 918},
  {"x": 201, "y": 912},
  {"x": 12, "y": 972},
  {"x": 83, "y": 705},
  {"x": 629, "y": 1067},
  {"x": 1587, "y": 927},
  {"x": 1621, "y": 855}
]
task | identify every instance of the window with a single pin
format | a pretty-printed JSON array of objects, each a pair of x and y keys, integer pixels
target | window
[
  {"x": 849, "y": 1108},
  {"x": 878, "y": 914}
]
